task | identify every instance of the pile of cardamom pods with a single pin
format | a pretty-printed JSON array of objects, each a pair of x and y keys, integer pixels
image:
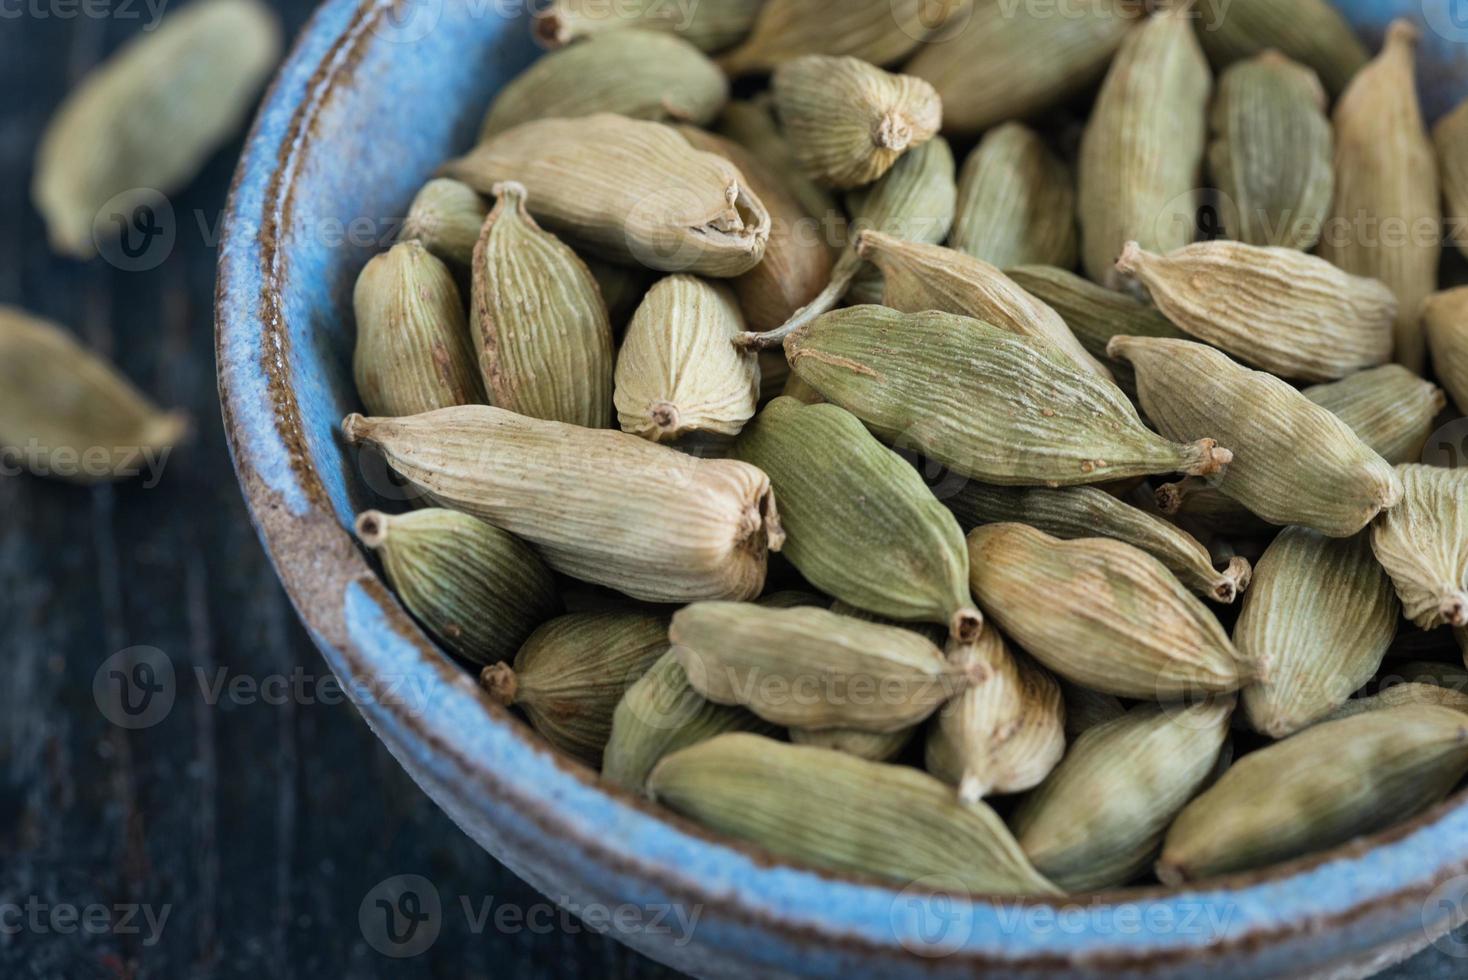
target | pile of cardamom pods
[{"x": 1007, "y": 521}]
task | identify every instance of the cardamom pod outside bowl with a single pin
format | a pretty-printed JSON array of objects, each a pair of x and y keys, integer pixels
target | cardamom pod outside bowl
[{"x": 376, "y": 94}]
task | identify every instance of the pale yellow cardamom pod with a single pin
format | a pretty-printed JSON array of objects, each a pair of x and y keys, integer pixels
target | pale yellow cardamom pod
[
  {"x": 446, "y": 217},
  {"x": 1016, "y": 202},
  {"x": 599, "y": 505},
  {"x": 878, "y": 31},
  {"x": 146, "y": 120},
  {"x": 849, "y": 121},
  {"x": 1006, "y": 732},
  {"x": 1386, "y": 220},
  {"x": 1303, "y": 465},
  {"x": 1143, "y": 146},
  {"x": 835, "y": 811},
  {"x": 1321, "y": 614},
  {"x": 628, "y": 190},
  {"x": 1325, "y": 786},
  {"x": 1100, "y": 818},
  {"x": 1445, "y": 321},
  {"x": 678, "y": 372},
  {"x": 1450, "y": 136},
  {"x": 1423, "y": 544},
  {"x": 1312, "y": 32},
  {"x": 1390, "y": 408},
  {"x": 1102, "y": 614},
  {"x": 1278, "y": 309},
  {"x": 68, "y": 414},
  {"x": 640, "y": 74},
  {"x": 709, "y": 26}
]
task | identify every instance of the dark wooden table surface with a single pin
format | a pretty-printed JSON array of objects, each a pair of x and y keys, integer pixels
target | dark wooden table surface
[{"x": 240, "y": 832}]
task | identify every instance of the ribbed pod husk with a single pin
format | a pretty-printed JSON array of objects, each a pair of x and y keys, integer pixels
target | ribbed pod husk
[
  {"x": 878, "y": 31},
  {"x": 1391, "y": 409},
  {"x": 1386, "y": 219},
  {"x": 919, "y": 277},
  {"x": 150, "y": 116},
  {"x": 1102, "y": 614},
  {"x": 860, "y": 523},
  {"x": 1013, "y": 60},
  {"x": 1445, "y": 322},
  {"x": 1271, "y": 156},
  {"x": 798, "y": 259},
  {"x": 1402, "y": 694},
  {"x": 709, "y": 25},
  {"x": 1005, "y": 732},
  {"x": 836, "y": 811},
  {"x": 1423, "y": 544},
  {"x": 601, "y": 506},
  {"x": 1086, "y": 512},
  {"x": 990, "y": 405},
  {"x": 543, "y": 335},
  {"x": 1099, "y": 820},
  {"x": 678, "y": 373},
  {"x": 1450, "y": 137},
  {"x": 1317, "y": 789},
  {"x": 751, "y": 123},
  {"x": 640, "y": 74},
  {"x": 446, "y": 216},
  {"x": 1016, "y": 202},
  {"x": 1321, "y": 614},
  {"x": 872, "y": 746},
  {"x": 848, "y": 121},
  {"x": 479, "y": 590},
  {"x": 1095, "y": 314},
  {"x": 1143, "y": 146},
  {"x": 660, "y": 714},
  {"x": 59, "y": 400},
  {"x": 1278, "y": 309},
  {"x": 571, "y": 674},
  {"x": 810, "y": 668},
  {"x": 1312, "y": 32},
  {"x": 628, "y": 190},
  {"x": 1298, "y": 464}
]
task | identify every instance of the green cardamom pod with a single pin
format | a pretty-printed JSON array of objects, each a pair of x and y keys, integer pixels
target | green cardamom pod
[
  {"x": 1312, "y": 32},
  {"x": 1143, "y": 146},
  {"x": 629, "y": 190},
  {"x": 1086, "y": 512},
  {"x": 1321, "y": 614},
  {"x": 878, "y": 31},
  {"x": 849, "y": 121},
  {"x": 1401, "y": 694},
  {"x": 1445, "y": 321},
  {"x": 1277, "y": 309},
  {"x": 639, "y": 74},
  {"x": 599, "y": 505},
  {"x": 835, "y": 811},
  {"x": 711, "y": 26},
  {"x": 1272, "y": 152},
  {"x": 1085, "y": 708},
  {"x": 1325, "y": 786},
  {"x": 571, "y": 674},
  {"x": 872, "y": 746},
  {"x": 1016, "y": 202},
  {"x": 1386, "y": 219},
  {"x": 1004, "y": 733},
  {"x": 1303, "y": 466},
  {"x": 413, "y": 351},
  {"x": 1391, "y": 409},
  {"x": 678, "y": 373},
  {"x": 446, "y": 216},
  {"x": 1450, "y": 137},
  {"x": 479, "y": 590},
  {"x": 1099, "y": 820},
  {"x": 854, "y": 513},
  {"x": 921, "y": 277},
  {"x": 1009, "y": 410},
  {"x": 810, "y": 668},
  {"x": 1012, "y": 60},
  {"x": 1423, "y": 545},
  {"x": 751, "y": 123},
  {"x": 1102, "y": 614},
  {"x": 67, "y": 413},
  {"x": 541, "y": 328}
]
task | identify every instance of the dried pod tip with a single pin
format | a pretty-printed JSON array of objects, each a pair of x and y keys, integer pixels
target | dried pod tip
[
  {"x": 549, "y": 30},
  {"x": 372, "y": 528},
  {"x": 354, "y": 427},
  {"x": 1210, "y": 458},
  {"x": 966, "y": 625},
  {"x": 971, "y": 789},
  {"x": 866, "y": 243},
  {"x": 168, "y": 429},
  {"x": 1170, "y": 874},
  {"x": 894, "y": 132},
  {"x": 665, "y": 416},
  {"x": 1453, "y": 607},
  {"x": 770, "y": 519},
  {"x": 1402, "y": 32},
  {"x": 510, "y": 194},
  {"x": 1235, "y": 579},
  {"x": 500, "y": 682},
  {"x": 1116, "y": 347},
  {"x": 1170, "y": 497},
  {"x": 1131, "y": 258}
]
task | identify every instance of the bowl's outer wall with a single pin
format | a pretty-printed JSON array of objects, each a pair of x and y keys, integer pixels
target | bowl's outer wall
[{"x": 369, "y": 104}]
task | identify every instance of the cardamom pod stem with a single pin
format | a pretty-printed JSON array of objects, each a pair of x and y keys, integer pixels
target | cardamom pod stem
[{"x": 1423, "y": 544}]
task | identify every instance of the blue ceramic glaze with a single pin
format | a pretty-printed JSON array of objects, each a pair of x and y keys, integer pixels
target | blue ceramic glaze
[{"x": 370, "y": 102}]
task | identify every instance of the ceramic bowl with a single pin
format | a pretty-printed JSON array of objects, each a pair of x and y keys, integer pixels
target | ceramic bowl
[{"x": 372, "y": 99}]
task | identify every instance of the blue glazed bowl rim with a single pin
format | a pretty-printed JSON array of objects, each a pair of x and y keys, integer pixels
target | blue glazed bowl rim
[{"x": 487, "y": 761}]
